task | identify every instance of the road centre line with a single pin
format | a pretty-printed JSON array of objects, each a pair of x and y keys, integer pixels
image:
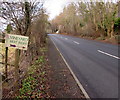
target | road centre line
[
  {"x": 66, "y": 38},
  {"x": 108, "y": 54},
  {"x": 76, "y": 42}
]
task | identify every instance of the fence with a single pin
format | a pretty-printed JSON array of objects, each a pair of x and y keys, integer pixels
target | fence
[
  {"x": 5, "y": 66},
  {"x": 8, "y": 69}
]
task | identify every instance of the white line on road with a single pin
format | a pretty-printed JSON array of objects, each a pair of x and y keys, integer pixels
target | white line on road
[
  {"x": 76, "y": 42},
  {"x": 108, "y": 54},
  {"x": 66, "y": 38}
]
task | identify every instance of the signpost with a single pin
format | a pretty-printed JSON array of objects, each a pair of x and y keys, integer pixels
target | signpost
[{"x": 16, "y": 41}]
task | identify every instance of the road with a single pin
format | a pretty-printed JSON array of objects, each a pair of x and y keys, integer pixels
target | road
[{"x": 95, "y": 64}]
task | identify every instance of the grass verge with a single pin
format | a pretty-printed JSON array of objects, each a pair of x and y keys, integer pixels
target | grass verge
[{"x": 34, "y": 84}]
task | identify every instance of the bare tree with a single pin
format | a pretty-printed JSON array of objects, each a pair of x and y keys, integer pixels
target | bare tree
[{"x": 21, "y": 16}]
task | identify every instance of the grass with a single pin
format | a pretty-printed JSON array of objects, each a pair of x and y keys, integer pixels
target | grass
[
  {"x": 11, "y": 53},
  {"x": 40, "y": 60},
  {"x": 33, "y": 84},
  {"x": 43, "y": 49},
  {"x": 30, "y": 83},
  {"x": 2, "y": 53}
]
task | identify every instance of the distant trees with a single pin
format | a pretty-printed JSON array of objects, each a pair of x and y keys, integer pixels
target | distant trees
[
  {"x": 88, "y": 19},
  {"x": 38, "y": 29},
  {"x": 68, "y": 20}
]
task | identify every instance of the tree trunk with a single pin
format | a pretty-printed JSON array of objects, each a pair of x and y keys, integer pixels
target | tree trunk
[
  {"x": 112, "y": 29},
  {"x": 96, "y": 27},
  {"x": 108, "y": 32},
  {"x": 94, "y": 20}
]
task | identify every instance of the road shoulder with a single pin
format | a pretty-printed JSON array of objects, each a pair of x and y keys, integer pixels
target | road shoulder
[{"x": 61, "y": 81}]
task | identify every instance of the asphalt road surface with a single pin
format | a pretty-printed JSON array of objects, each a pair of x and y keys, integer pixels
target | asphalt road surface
[{"x": 95, "y": 64}]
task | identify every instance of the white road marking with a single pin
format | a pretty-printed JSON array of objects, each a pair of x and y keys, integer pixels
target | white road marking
[
  {"x": 76, "y": 42},
  {"x": 66, "y": 38},
  {"x": 108, "y": 54}
]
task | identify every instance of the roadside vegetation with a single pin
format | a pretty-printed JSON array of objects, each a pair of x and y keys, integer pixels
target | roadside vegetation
[
  {"x": 96, "y": 20},
  {"x": 33, "y": 85},
  {"x": 27, "y": 18}
]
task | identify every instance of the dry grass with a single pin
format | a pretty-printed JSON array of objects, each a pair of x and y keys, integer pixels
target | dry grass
[{"x": 11, "y": 53}]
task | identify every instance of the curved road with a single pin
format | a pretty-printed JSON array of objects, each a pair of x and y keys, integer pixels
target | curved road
[{"x": 95, "y": 64}]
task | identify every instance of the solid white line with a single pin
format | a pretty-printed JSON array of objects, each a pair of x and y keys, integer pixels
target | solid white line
[
  {"x": 66, "y": 38},
  {"x": 76, "y": 42},
  {"x": 77, "y": 81},
  {"x": 108, "y": 54}
]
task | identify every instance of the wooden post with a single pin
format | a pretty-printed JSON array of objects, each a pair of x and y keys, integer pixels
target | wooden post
[
  {"x": 17, "y": 56},
  {"x": 118, "y": 9},
  {"x": 6, "y": 60}
]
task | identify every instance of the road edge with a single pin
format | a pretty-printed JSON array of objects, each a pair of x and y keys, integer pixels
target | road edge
[{"x": 77, "y": 81}]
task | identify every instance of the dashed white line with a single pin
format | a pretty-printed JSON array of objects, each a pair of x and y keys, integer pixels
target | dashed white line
[
  {"x": 76, "y": 42},
  {"x": 66, "y": 38},
  {"x": 108, "y": 54}
]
